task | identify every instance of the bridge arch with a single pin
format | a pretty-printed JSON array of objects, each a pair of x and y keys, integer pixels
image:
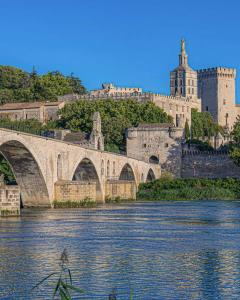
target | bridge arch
[
  {"x": 27, "y": 172},
  {"x": 150, "y": 176},
  {"x": 127, "y": 173},
  {"x": 86, "y": 172}
]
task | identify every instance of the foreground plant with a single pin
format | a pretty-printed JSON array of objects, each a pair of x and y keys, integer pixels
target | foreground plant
[{"x": 64, "y": 286}]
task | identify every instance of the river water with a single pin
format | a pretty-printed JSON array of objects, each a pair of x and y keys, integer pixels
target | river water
[{"x": 165, "y": 250}]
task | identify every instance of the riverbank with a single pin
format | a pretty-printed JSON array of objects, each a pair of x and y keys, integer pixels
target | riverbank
[{"x": 168, "y": 188}]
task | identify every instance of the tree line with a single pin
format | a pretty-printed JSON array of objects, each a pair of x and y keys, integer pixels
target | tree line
[{"x": 17, "y": 85}]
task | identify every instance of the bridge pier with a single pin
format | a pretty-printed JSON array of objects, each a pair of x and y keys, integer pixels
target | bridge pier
[{"x": 9, "y": 200}]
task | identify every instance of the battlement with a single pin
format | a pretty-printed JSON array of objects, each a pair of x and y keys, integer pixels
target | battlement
[
  {"x": 140, "y": 97},
  {"x": 217, "y": 72},
  {"x": 178, "y": 98}
]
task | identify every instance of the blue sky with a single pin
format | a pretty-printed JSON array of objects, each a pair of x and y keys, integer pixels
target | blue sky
[{"x": 127, "y": 42}]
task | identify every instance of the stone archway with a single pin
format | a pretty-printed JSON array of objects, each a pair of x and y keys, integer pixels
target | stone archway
[
  {"x": 150, "y": 176},
  {"x": 154, "y": 159},
  {"x": 34, "y": 192},
  {"x": 127, "y": 173},
  {"x": 86, "y": 172}
]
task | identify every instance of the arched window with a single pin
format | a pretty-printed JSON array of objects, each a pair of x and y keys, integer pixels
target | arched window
[
  {"x": 59, "y": 167},
  {"x": 99, "y": 144},
  {"x": 114, "y": 168},
  {"x": 108, "y": 168},
  {"x": 102, "y": 167}
]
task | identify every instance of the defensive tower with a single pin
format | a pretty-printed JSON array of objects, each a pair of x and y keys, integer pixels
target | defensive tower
[{"x": 216, "y": 88}]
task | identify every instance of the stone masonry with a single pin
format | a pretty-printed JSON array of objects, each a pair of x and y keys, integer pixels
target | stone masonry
[
  {"x": 216, "y": 87},
  {"x": 208, "y": 165},
  {"x": 157, "y": 143},
  {"x": 9, "y": 200},
  {"x": 120, "y": 188},
  {"x": 74, "y": 190}
]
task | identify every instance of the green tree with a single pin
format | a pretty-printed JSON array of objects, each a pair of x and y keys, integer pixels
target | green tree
[
  {"x": 76, "y": 84},
  {"x": 235, "y": 145},
  {"x": 17, "y": 85},
  {"x": 6, "y": 170},
  {"x": 203, "y": 125},
  {"x": 236, "y": 132}
]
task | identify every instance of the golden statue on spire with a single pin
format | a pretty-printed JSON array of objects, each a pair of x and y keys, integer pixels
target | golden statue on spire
[{"x": 183, "y": 45}]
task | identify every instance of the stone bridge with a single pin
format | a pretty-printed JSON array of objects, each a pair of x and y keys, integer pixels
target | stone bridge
[{"x": 38, "y": 163}]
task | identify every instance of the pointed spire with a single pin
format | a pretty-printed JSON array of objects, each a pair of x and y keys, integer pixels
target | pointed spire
[{"x": 183, "y": 58}]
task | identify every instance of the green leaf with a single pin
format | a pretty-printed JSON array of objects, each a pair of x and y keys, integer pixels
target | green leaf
[
  {"x": 44, "y": 279},
  {"x": 57, "y": 287},
  {"x": 74, "y": 288},
  {"x": 63, "y": 295}
]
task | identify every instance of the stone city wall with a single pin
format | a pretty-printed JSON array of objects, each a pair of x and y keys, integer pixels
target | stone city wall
[
  {"x": 9, "y": 200},
  {"x": 208, "y": 165}
]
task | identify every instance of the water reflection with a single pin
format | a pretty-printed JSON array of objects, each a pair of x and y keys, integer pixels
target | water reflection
[{"x": 168, "y": 250}]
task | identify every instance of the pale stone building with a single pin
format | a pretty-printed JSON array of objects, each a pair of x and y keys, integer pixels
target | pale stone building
[
  {"x": 41, "y": 111},
  {"x": 216, "y": 87},
  {"x": 157, "y": 143},
  {"x": 112, "y": 90}
]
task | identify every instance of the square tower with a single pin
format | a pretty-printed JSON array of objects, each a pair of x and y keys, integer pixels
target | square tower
[
  {"x": 183, "y": 79},
  {"x": 216, "y": 87}
]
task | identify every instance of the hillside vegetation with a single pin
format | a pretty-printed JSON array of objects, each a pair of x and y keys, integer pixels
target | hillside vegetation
[{"x": 17, "y": 85}]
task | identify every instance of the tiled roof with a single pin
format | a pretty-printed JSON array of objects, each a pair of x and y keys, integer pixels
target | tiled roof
[{"x": 74, "y": 137}]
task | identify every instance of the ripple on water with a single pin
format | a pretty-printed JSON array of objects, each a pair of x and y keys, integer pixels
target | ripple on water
[{"x": 167, "y": 250}]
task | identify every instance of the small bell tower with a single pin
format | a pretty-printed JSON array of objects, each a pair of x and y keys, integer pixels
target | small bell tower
[{"x": 96, "y": 137}]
